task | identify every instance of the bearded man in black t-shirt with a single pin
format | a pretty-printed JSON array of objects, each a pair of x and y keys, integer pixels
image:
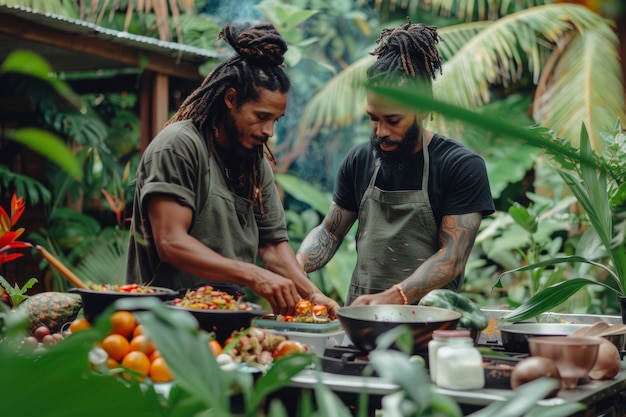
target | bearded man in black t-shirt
[{"x": 419, "y": 197}]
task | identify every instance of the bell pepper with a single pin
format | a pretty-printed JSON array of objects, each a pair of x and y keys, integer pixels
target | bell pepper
[{"x": 472, "y": 316}]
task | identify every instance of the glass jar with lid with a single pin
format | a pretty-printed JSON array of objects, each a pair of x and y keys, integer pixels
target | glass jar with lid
[{"x": 440, "y": 337}]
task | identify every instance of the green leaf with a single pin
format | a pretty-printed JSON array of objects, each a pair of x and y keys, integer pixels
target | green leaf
[
  {"x": 614, "y": 286},
  {"x": 401, "y": 336},
  {"x": 522, "y": 217},
  {"x": 278, "y": 376},
  {"x": 303, "y": 191},
  {"x": 30, "y": 63},
  {"x": 558, "y": 410},
  {"x": 412, "y": 378},
  {"x": 50, "y": 146},
  {"x": 524, "y": 398},
  {"x": 186, "y": 351},
  {"x": 548, "y": 298}
]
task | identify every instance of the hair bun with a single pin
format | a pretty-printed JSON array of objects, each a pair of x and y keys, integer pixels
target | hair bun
[{"x": 260, "y": 44}]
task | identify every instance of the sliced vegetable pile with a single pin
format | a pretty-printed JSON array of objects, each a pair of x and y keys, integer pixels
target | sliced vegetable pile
[
  {"x": 257, "y": 347},
  {"x": 208, "y": 298},
  {"x": 307, "y": 312},
  {"x": 130, "y": 288}
]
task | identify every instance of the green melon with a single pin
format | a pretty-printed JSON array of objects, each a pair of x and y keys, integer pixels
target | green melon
[{"x": 51, "y": 309}]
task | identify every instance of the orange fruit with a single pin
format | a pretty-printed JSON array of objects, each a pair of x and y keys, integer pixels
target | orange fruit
[
  {"x": 124, "y": 323},
  {"x": 116, "y": 346},
  {"x": 154, "y": 355},
  {"x": 112, "y": 363},
  {"x": 141, "y": 343},
  {"x": 215, "y": 346},
  {"x": 159, "y": 371},
  {"x": 138, "y": 362},
  {"x": 138, "y": 330},
  {"x": 78, "y": 325}
]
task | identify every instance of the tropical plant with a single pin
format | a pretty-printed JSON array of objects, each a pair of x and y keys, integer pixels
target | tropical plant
[
  {"x": 601, "y": 192},
  {"x": 201, "y": 387},
  {"x": 543, "y": 49},
  {"x": 13, "y": 294}
]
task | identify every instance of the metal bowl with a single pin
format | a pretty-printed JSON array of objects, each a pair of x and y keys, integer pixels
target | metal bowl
[
  {"x": 363, "y": 324},
  {"x": 95, "y": 302},
  {"x": 515, "y": 336}
]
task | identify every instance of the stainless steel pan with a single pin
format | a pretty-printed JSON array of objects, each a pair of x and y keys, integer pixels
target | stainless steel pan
[{"x": 363, "y": 324}]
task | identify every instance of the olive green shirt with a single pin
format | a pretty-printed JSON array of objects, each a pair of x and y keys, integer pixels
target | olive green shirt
[{"x": 177, "y": 164}]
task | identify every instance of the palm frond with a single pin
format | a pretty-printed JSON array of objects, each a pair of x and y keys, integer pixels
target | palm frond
[
  {"x": 339, "y": 102},
  {"x": 106, "y": 261},
  {"x": 481, "y": 55},
  {"x": 494, "y": 56},
  {"x": 465, "y": 10},
  {"x": 583, "y": 87}
]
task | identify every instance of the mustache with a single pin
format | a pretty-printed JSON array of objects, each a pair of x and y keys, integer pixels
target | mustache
[{"x": 385, "y": 141}]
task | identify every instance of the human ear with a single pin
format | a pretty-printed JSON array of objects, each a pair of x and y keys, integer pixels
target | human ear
[{"x": 230, "y": 98}]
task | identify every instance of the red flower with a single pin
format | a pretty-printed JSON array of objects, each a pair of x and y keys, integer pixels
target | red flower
[{"x": 7, "y": 236}]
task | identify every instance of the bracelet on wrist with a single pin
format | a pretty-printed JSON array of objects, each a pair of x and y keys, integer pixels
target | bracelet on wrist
[{"x": 405, "y": 300}]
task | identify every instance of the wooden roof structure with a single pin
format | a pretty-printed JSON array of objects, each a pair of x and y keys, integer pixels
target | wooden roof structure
[{"x": 71, "y": 45}]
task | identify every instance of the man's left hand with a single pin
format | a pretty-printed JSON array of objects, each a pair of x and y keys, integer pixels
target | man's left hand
[
  {"x": 331, "y": 305},
  {"x": 390, "y": 296}
]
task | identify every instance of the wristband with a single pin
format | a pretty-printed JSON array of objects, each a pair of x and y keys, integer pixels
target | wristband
[{"x": 402, "y": 294}]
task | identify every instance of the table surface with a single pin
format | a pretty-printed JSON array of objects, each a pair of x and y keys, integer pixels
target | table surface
[{"x": 586, "y": 393}]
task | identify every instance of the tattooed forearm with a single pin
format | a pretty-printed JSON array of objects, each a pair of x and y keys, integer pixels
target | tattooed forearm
[
  {"x": 457, "y": 236},
  {"x": 322, "y": 242},
  {"x": 317, "y": 249}
]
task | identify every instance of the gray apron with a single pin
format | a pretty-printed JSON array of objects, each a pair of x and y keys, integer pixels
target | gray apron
[
  {"x": 235, "y": 232},
  {"x": 397, "y": 232}
]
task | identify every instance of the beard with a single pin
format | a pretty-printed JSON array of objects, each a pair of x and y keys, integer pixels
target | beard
[
  {"x": 405, "y": 148},
  {"x": 234, "y": 134}
]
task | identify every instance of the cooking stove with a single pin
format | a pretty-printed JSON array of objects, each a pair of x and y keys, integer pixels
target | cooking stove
[{"x": 349, "y": 360}]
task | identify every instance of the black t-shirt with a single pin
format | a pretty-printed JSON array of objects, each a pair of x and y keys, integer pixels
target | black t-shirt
[{"x": 457, "y": 184}]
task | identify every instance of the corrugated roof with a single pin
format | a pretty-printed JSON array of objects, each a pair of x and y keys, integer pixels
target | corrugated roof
[
  {"x": 81, "y": 27},
  {"x": 72, "y": 45}
]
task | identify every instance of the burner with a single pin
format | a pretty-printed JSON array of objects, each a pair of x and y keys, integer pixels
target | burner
[
  {"x": 344, "y": 360},
  {"x": 349, "y": 360}
]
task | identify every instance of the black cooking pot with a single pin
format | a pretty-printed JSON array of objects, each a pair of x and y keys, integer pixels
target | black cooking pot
[
  {"x": 363, "y": 324},
  {"x": 515, "y": 336},
  {"x": 95, "y": 302},
  {"x": 223, "y": 322}
]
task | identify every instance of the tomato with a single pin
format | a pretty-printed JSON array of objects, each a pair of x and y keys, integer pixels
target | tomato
[
  {"x": 215, "y": 346},
  {"x": 287, "y": 347},
  {"x": 303, "y": 308},
  {"x": 320, "y": 310},
  {"x": 288, "y": 318}
]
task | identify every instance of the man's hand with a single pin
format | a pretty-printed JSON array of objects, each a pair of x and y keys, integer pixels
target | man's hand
[
  {"x": 389, "y": 296},
  {"x": 331, "y": 305}
]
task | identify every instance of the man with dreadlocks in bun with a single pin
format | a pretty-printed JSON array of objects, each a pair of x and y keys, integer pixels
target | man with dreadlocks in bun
[
  {"x": 206, "y": 203},
  {"x": 419, "y": 197}
]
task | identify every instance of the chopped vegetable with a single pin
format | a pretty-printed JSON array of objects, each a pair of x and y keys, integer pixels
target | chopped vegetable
[{"x": 207, "y": 298}]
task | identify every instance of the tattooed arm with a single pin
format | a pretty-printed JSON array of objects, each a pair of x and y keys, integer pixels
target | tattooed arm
[
  {"x": 456, "y": 239},
  {"x": 319, "y": 246}
]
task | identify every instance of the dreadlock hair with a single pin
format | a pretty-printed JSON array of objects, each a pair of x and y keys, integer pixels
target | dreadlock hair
[
  {"x": 257, "y": 64},
  {"x": 407, "y": 54}
]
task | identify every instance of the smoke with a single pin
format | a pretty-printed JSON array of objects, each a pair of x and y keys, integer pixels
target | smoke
[{"x": 233, "y": 11}]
